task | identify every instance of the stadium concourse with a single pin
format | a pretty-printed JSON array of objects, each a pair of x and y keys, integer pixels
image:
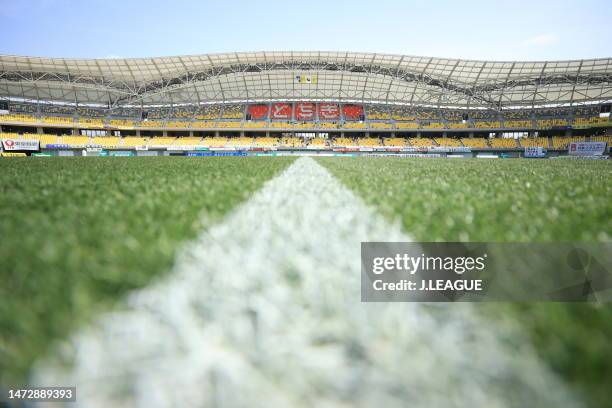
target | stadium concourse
[{"x": 292, "y": 101}]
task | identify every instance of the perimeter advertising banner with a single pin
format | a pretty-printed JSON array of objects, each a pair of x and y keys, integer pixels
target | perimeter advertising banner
[
  {"x": 20, "y": 144},
  {"x": 587, "y": 148}
]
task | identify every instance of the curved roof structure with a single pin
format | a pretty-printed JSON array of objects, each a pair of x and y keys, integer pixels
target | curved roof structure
[{"x": 320, "y": 76}]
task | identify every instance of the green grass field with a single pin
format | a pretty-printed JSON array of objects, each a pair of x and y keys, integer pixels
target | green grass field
[
  {"x": 77, "y": 233},
  {"x": 508, "y": 201}
]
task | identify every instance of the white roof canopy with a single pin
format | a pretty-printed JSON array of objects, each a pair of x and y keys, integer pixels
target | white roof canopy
[{"x": 338, "y": 76}]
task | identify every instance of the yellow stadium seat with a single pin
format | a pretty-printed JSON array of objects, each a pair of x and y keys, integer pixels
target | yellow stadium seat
[
  {"x": 534, "y": 142},
  {"x": 58, "y": 120},
  {"x": 161, "y": 141},
  {"x": 91, "y": 123},
  {"x": 214, "y": 141},
  {"x": 369, "y": 142},
  {"x": 239, "y": 141},
  {"x": 318, "y": 142},
  {"x": 561, "y": 142},
  {"x": 475, "y": 142},
  {"x": 503, "y": 143},
  {"x": 105, "y": 141},
  {"x": 18, "y": 118},
  {"x": 151, "y": 124},
  {"x": 122, "y": 123},
  {"x": 449, "y": 142},
  {"x": 74, "y": 141},
  {"x": 187, "y": 141},
  {"x": 421, "y": 142},
  {"x": 406, "y": 125},
  {"x": 518, "y": 124},
  {"x": 131, "y": 141},
  {"x": 291, "y": 142},
  {"x": 495, "y": 124},
  {"x": 395, "y": 142},
  {"x": 265, "y": 141}
]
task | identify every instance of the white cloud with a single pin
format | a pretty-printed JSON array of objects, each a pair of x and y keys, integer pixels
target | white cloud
[{"x": 542, "y": 39}]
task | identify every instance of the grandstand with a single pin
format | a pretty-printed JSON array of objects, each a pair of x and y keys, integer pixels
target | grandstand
[{"x": 255, "y": 100}]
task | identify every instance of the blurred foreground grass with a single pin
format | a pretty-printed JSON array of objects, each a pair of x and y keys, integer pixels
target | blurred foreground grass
[
  {"x": 508, "y": 201},
  {"x": 78, "y": 233}
]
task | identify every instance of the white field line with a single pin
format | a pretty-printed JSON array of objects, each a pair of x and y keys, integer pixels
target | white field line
[{"x": 263, "y": 310}]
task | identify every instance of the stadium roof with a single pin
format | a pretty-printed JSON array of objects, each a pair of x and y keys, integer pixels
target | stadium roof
[{"x": 282, "y": 76}]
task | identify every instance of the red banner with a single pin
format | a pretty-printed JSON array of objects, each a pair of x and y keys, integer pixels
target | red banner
[
  {"x": 258, "y": 112},
  {"x": 281, "y": 111},
  {"x": 329, "y": 111},
  {"x": 352, "y": 112},
  {"x": 305, "y": 111}
]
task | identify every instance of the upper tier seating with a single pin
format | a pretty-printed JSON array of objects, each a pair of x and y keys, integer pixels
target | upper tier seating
[
  {"x": 378, "y": 112},
  {"x": 58, "y": 120},
  {"x": 406, "y": 125},
  {"x": 122, "y": 123},
  {"x": 151, "y": 124},
  {"x": 593, "y": 120},
  {"x": 233, "y": 112},
  {"x": 18, "y": 117},
  {"x": 518, "y": 123},
  {"x": 550, "y": 123},
  {"x": 208, "y": 112},
  {"x": 91, "y": 123},
  {"x": 402, "y": 113},
  {"x": 487, "y": 124},
  {"x": 380, "y": 125},
  {"x": 354, "y": 125},
  {"x": 228, "y": 124},
  {"x": 177, "y": 124}
]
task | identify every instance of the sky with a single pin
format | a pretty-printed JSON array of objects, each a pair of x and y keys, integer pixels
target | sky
[{"x": 492, "y": 30}]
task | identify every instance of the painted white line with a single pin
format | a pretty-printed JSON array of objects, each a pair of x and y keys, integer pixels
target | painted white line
[{"x": 264, "y": 310}]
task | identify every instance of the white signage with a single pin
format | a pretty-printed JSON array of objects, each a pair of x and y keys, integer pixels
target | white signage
[
  {"x": 587, "y": 148},
  {"x": 20, "y": 144}
]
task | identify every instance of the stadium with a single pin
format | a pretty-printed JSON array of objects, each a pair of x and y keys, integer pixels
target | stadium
[
  {"x": 292, "y": 101},
  {"x": 185, "y": 224}
]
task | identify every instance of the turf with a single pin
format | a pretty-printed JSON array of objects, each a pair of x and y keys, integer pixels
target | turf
[
  {"x": 76, "y": 234},
  {"x": 508, "y": 201},
  {"x": 487, "y": 200}
]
